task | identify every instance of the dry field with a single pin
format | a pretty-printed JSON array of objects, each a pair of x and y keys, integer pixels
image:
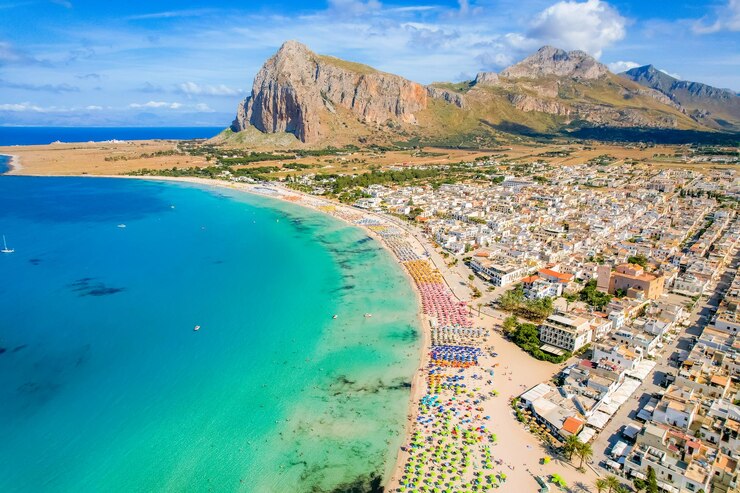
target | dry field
[
  {"x": 123, "y": 157},
  {"x": 90, "y": 158}
]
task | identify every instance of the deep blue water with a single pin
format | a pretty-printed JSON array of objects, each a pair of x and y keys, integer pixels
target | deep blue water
[
  {"x": 4, "y": 164},
  {"x": 106, "y": 387},
  {"x": 47, "y": 135}
]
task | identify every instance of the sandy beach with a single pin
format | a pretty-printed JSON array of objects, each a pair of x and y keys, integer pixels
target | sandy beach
[{"x": 461, "y": 433}]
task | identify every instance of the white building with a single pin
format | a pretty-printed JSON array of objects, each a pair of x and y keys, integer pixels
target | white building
[
  {"x": 498, "y": 274},
  {"x": 565, "y": 332}
]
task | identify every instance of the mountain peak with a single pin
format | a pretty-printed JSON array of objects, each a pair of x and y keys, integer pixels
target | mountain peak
[
  {"x": 298, "y": 91},
  {"x": 293, "y": 46},
  {"x": 550, "y": 60}
]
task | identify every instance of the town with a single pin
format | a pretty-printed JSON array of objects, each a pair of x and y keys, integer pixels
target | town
[{"x": 624, "y": 278}]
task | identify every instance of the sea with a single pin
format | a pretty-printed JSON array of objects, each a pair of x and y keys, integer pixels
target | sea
[
  {"x": 47, "y": 135},
  {"x": 105, "y": 385}
]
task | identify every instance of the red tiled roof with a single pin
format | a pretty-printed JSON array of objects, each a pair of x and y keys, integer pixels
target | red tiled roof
[
  {"x": 559, "y": 275},
  {"x": 572, "y": 425}
]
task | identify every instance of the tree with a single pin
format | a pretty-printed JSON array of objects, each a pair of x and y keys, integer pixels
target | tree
[
  {"x": 639, "y": 259},
  {"x": 594, "y": 297},
  {"x": 510, "y": 325},
  {"x": 585, "y": 452},
  {"x": 571, "y": 445},
  {"x": 612, "y": 483},
  {"x": 601, "y": 485},
  {"x": 652, "y": 481}
]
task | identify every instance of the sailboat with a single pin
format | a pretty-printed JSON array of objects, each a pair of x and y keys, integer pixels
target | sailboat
[{"x": 5, "y": 247}]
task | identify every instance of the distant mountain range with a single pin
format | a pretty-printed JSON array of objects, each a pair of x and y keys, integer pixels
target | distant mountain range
[
  {"x": 716, "y": 108},
  {"x": 322, "y": 100}
]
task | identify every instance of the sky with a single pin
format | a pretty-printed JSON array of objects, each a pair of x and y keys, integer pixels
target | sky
[{"x": 188, "y": 63}]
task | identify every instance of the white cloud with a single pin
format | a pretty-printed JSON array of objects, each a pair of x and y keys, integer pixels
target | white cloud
[
  {"x": 64, "y": 3},
  {"x": 27, "y": 107},
  {"x": 172, "y": 14},
  {"x": 191, "y": 88},
  {"x": 590, "y": 26},
  {"x": 674, "y": 75},
  {"x": 621, "y": 66},
  {"x": 494, "y": 60},
  {"x": 156, "y": 104},
  {"x": 726, "y": 18},
  {"x": 93, "y": 108},
  {"x": 203, "y": 107},
  {"x": 19, "y": 107},
  {"x": 354, "y": 7}
]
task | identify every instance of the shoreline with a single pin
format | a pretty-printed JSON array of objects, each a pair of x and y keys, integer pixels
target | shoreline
[
  {"x": 518, "y": 452},
  {"x": 418, "y": 388},
  {"x": 14, "y": 164}
]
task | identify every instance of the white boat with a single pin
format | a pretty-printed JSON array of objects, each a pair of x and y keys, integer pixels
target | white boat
[
  {"x": 196, "y": 328},
  {"x": 335, "y": 317},
  {"x": 368, "y": 315},
  {"x": 5, "y": 247},
  {"x": 121, "y": 225}
]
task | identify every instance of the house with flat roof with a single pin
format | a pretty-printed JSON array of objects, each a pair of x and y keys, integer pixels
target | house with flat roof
[{"x": 565, "y": 332}]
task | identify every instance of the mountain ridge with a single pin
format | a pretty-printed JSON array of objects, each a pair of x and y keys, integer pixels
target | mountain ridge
[
  {"x": 715, "y": 107},
  {"x": 323, "y": 99}
]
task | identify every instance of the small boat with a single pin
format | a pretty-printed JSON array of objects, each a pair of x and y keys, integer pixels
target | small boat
[
  {"x": 335, "y": 317},
  {"x": 5, "y": 247},
  {"x": 121, "y": 226},
  {"x": 368, "y": 315},
  {"x": 196, "y": 328}
]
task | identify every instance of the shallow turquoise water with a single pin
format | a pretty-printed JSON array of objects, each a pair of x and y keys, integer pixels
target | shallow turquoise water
[{"x": 104, "y": 385}]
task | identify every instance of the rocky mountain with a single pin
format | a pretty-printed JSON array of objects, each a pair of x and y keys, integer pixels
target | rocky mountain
[
  {"x": 324, "y": 100},
  {"x": 553, "y": 61},
  {"x": 296, "y": 89},
  {"x": 714, "y": 107}
]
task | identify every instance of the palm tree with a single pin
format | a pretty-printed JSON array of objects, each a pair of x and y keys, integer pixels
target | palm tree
[
  {"x": 571, "y": 446},
  {"x": 612, "y": 483},
  {"x": 601, "y": 485},
  {"x": 585, "y": 452}
]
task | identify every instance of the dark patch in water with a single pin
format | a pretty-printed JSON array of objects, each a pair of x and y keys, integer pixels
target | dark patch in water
[
  {"x": 2, "y": 350},
  {"x": 370, "y": 483},
  {"x": 409, "y": 334},
  {"x": 217, "y": 262},
  {"x": 34, "y": 261},
  {"x": 84, "y": 357},
  {"x": 85, "y": 287},
  {"x": 364, "y": 240},
  {"x": 83, "y": 281},
  {"x": 30, "y": 388},
  {"x": 343, "y": 385},
  {"x": 102, "y": 291},
  {"x": 18, "y": 348}
]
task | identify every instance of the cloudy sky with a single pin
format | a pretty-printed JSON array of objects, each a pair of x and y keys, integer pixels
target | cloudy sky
[{"x": 75, "y": 62}]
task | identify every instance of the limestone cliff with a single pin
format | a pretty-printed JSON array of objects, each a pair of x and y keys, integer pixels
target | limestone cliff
[{"x": 296, "y": 88}]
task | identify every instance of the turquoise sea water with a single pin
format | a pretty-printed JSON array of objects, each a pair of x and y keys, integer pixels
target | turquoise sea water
[{"x": 105, "y": 386}]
